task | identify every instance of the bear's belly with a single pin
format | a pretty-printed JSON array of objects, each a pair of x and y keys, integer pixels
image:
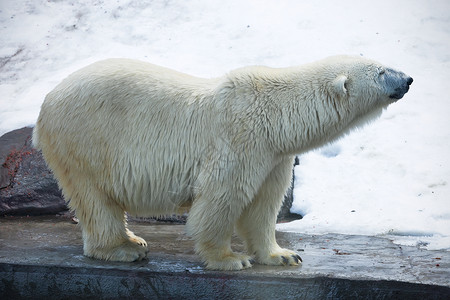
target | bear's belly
[{"x": 157, "y": 199}]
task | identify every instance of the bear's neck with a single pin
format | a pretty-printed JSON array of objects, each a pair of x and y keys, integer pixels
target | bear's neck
[{"x": 312, "y": 124}]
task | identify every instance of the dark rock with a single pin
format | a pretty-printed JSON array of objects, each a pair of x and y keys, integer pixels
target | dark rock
[
  {"x": 27, "y": 186},
  {"x": 9, "y": 144},
  {"x": 174, "y": 219}
]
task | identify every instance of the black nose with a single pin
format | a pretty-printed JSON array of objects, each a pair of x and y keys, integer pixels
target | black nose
[{"x": 410, "y": 80}]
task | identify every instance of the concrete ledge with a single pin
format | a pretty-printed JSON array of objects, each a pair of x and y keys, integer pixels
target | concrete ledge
[
  {"x": 53, "y": 282},
  {"x": 41, "y": 258}
]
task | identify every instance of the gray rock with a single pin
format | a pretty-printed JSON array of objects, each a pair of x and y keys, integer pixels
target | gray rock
[{"x": 27, "y": 186}]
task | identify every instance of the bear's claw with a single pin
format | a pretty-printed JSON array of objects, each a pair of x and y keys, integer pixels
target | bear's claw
[
  {"x": 296, "y": 258},
  {"x": 281, "y": 257},
  {"x": 138, "y": 241}
]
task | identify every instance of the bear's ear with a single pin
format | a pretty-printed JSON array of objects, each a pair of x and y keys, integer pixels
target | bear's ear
[{"x": 340, "y": 84}]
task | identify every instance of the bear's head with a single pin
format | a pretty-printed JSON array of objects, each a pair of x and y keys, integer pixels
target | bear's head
[
  {"x": 360, "y": 79},
  {"x": 344, "y": 92},
  {"x": 362, "y": 88}
]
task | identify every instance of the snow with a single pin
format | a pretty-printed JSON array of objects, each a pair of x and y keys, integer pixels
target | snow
[{"x": 391, "y": 178}]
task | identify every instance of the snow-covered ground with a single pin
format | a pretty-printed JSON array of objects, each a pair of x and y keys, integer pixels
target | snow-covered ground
[{"x": 391, "y": 178}]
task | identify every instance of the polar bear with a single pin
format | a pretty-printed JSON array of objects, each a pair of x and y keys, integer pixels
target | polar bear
[{"x": 127, "y": 136}]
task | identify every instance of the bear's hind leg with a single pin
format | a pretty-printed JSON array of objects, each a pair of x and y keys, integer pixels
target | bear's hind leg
[{"x": 105, "y": 235}]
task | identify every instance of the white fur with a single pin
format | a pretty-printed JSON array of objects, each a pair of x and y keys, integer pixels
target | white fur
[{"x": 124, "y": 135}]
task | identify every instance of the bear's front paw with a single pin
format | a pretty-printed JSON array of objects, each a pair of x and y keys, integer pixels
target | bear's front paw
[
  {"x": 282, "y": 257},
  {"x": 231, "y": 262},
  {"x": 136, "y": 239}
]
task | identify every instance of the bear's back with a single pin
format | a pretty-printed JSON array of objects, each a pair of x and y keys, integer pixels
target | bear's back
[{"x": 127, "y": 79}]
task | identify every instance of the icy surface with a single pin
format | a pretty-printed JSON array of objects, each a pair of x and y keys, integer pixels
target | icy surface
[{"x": 390, "y": 179}]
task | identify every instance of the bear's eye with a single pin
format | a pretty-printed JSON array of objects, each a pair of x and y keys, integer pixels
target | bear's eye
[{"x": 381, "y": 72}]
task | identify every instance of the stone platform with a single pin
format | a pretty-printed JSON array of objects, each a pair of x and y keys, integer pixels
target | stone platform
[{"x": 41, "y": 258}]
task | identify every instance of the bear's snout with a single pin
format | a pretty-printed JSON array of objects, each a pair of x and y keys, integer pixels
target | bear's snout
[
  {"x": 400, "y": 83},
  {"x": 409, "y": 81}
]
